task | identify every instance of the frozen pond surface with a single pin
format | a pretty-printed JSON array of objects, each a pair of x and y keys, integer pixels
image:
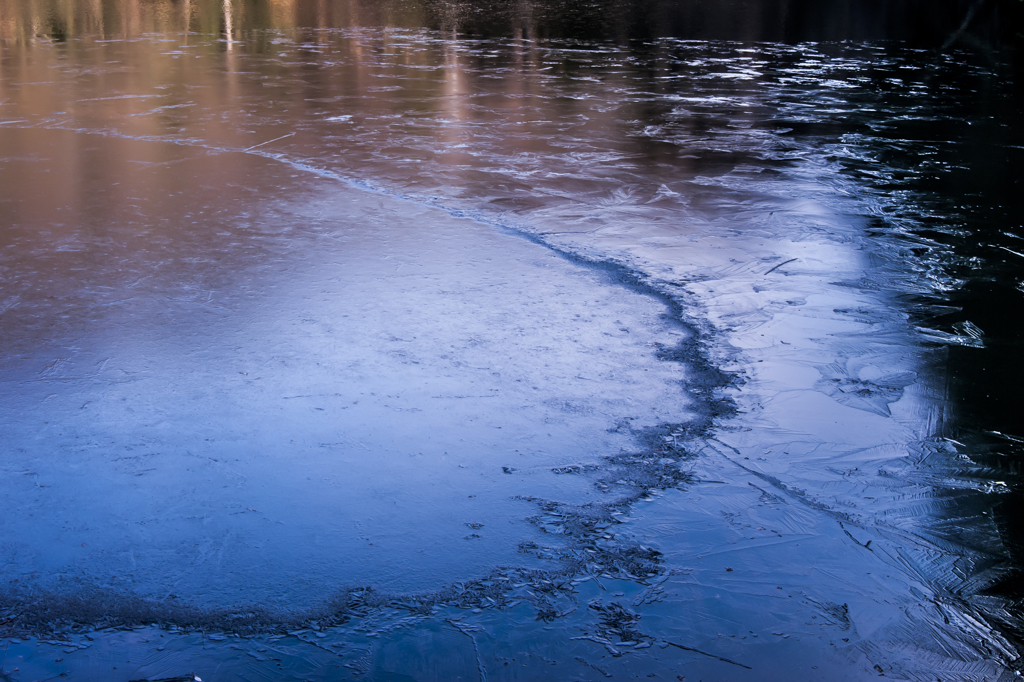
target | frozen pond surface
[
  {"x": 391, "y": 354},
  {"x": 310, "y": 385}
]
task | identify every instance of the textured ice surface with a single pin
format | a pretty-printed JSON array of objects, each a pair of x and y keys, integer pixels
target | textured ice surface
[
  {"x": 264, "y": 396},
  {"x": 783, "y": 197}
]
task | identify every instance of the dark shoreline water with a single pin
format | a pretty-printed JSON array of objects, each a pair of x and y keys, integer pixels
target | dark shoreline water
[
  {"x": 985, "y": 24},
  {"x": 745, "y": 181}
]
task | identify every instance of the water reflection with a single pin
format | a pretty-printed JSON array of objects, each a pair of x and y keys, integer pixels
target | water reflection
[
  {"x": 840, "y": 221},
  {"x": 763, "y": 20},
  {"x": 27, "y": 19}
]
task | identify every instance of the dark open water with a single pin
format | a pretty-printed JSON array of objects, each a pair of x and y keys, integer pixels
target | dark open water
[{"x": 524, "y": 341}]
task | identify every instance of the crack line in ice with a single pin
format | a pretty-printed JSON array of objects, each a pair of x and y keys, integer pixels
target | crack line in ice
[
  {"x": 581, "y": 526},
  {"x": 584, "y": 551}
]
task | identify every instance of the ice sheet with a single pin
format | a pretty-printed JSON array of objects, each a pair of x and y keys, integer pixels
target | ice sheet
[
  {"x": 312, "y": 386},
  {"x": 780, "y": 497}
]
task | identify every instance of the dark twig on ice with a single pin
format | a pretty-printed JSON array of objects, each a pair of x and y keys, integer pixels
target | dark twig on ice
[
  {"x": 704, "y": 653},
  {"x": 780, "y": 265}
]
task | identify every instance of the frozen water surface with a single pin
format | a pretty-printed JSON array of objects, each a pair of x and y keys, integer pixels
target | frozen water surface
[
  {"x": 262, "y": 382},
  {"x": 376, "y": 351}
]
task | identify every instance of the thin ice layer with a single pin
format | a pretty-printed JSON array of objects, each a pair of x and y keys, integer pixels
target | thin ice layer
[{"x": 233, "y": 396}]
